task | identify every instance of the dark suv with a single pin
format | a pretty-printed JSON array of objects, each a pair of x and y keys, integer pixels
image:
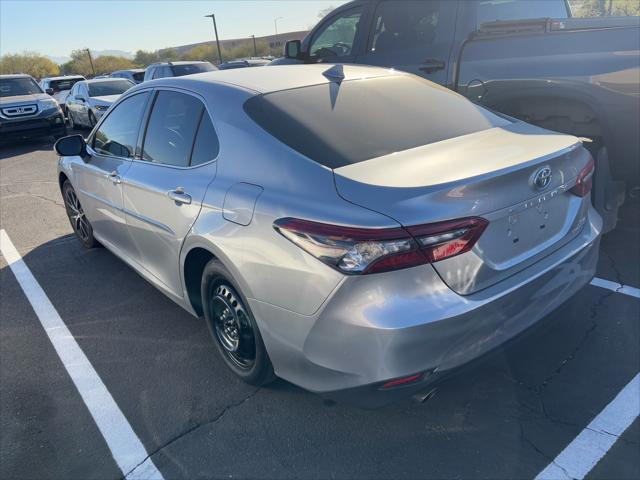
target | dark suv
[
  {"x": 26, "y": 111},
  {"x": 176, "y": 69}
]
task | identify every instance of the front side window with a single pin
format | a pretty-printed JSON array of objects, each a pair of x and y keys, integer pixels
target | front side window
[
  {"x": 336, "y": 38},
  {"x": 118, "y": 134},
  {"x": 404, "y": 24},
  {"x": 81, "y": 90},
  {"x": 171, "y": 129}
]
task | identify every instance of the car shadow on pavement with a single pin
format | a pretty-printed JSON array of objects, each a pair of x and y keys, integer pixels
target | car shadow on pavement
[
  {"x": 17, "y": 147},
  {"x": 22, "y": 147},
  {"x": 508, "y": 415}
]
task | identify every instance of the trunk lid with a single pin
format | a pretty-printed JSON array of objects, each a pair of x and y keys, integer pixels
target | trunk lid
[{"x": 487, "y": 174}]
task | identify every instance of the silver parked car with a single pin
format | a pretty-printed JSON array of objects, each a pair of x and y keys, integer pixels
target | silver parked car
[
  {"x": 89, "y": 99},
  {"x": 357, "y": 231}
]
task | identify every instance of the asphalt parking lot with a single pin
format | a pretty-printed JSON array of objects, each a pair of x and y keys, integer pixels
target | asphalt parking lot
[{"x": 508, "y": 416}]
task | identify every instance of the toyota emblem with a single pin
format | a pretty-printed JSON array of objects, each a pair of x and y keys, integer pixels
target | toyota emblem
[{"x": 542, "y": 178}]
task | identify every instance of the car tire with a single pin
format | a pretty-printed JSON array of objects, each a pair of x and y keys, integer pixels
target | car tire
[
  {"x": 92, "y": 119},
  {"x": 78, "y": 220},
  {"x": 233, "y": 327}
]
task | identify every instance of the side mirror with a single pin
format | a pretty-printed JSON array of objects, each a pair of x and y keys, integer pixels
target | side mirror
[
  {"x": 293, "y": 49},
  {"x": 49, "y": 91},
  {"x": 70, "y": 146},
  {"x": 81, "y": 99}
]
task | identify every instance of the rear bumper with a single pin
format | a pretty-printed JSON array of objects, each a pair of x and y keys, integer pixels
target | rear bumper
[
  {"x": 47, "y": 123},
  {"x": 380, "y": 327}
]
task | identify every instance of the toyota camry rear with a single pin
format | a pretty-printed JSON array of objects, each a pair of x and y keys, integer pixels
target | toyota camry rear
[{"x": 360, "y": 232}]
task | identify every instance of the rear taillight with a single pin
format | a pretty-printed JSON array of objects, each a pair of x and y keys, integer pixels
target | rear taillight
[
  {"x": 402, "y": 381},
  {"x": 585, "y": 180},
  {"x": 367, "y": 250}
]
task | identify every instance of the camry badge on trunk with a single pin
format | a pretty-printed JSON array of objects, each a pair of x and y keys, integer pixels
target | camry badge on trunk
[{"x": 542, "y": 178}]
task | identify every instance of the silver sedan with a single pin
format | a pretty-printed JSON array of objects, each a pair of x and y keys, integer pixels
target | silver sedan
[
  {"x": 360, "y": 232},
  {"x": 89, "y": 99}
]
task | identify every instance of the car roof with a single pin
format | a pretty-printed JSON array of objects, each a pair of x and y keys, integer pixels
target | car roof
[
  {"x": 181, "y": 62},
  {"x": 106, "y": 80},
  {"x": 63, "y": 77},
  {"x": 16, "y": 75},
  {"x": 276, "y": 78},
  {"x": 132, "y": 70}
]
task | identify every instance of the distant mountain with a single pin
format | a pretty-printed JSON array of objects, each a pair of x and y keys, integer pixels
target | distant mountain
[
  {"x": 115, "y": 53},
  {"x": 58, "y": 60}
]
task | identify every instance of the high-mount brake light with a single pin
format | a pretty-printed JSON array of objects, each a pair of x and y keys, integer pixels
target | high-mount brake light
[
  {"x": 370, "y": 250},
  {"x": 585, "y": 180}
]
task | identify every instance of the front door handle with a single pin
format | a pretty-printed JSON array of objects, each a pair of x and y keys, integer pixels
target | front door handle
[
  {"x": 431, "y": 65},
  {"x": 179, "y": 196},
  {"x": 114, "y": 177}
]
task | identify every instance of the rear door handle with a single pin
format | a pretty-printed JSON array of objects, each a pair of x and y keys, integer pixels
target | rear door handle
[
  {"x": 114, "y": 177},
  {"x": 431, "y": 65},
  {"x": 179, "y": 196}
]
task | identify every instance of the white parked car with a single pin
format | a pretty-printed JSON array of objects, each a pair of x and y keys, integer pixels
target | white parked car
[
  {"x": 59, "y": 87},
  {"x": 89, "y": 99}
]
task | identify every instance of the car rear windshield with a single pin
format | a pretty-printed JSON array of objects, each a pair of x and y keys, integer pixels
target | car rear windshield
[
  {"x": 138, "y": 76},
  {"x": 109, "y": 87},
  {"x": 11, "y": 87},
  {"x": 66, "y": 84},
  {"x": 341, "y": 124},
  {"x": 188, "y": 69}
]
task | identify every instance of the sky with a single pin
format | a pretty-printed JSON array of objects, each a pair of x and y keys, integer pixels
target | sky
[{"x": 54, "y": 28}]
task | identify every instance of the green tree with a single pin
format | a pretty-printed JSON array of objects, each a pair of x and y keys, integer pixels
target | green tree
[
  {"x": 144, "y": 58},
  {"x": 30, "y": 63},
  {"x": 167, "y": 55},
  {"x": 110, "y": 63},
  {"x": 79, "y": 64},
  {"x": 601, "y": 8},
  {"x": 202, "y": 52}
]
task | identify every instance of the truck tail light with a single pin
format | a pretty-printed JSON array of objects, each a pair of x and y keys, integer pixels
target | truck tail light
[
  {"x": 585, "y": 180},
  {"x": 368, "y": 250}
]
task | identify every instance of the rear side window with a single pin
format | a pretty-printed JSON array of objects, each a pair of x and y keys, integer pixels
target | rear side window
[
  {"x": 341, "y": 124},
  {"x": 206, "y": 146},
  {"x": 118, "y": 133},
  {"x": 172, "y": 128},
  {"x": 493, "y": 10},
  {"x": 405, "y": 24}
]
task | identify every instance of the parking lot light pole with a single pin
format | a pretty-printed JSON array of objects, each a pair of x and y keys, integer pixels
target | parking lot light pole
[
  {"x": 91, "y": 61},
  {"x": 275, "y": 24},
  {"x": 215, "y": 29},
  {"x": 255, "y": 48}
]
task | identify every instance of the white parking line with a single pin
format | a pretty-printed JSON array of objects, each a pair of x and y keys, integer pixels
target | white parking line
[
  {"x": 586, "y": 450},
  {"x": 616, "y": 287},
  {"x": 125, "y": 446}
]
